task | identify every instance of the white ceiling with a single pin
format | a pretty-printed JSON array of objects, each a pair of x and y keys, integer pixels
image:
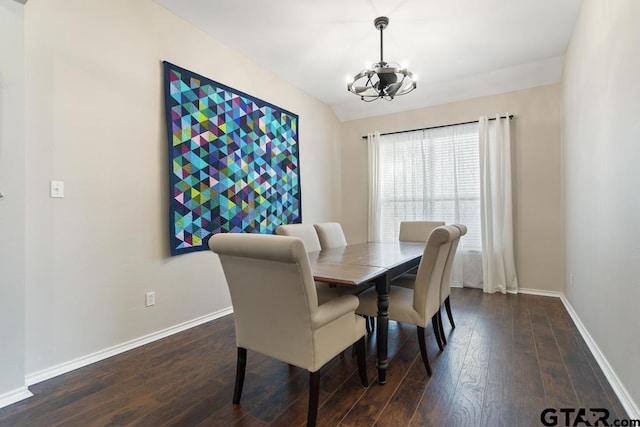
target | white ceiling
[{"x": 459, "y": 49}]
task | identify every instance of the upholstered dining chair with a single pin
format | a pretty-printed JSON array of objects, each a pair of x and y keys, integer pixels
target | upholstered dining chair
[
  {"x": 276, "y": 310},
  {"x": 330, "y": 235},
  {"x": 420, "y": 303},
  {"x": 417, "y": 231},
  {"x": 445, "y": 287},
  {"x": 306, "y": 232}
]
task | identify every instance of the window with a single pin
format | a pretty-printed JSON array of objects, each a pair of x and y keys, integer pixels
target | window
[{"x": 431, "y": 174}]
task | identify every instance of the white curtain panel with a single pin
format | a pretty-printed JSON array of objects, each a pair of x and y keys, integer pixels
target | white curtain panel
[
  {"x": 498, "y": 264},
  {"x": 373, "y": 147}
]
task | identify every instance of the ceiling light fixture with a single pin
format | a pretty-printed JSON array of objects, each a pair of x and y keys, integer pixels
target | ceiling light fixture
[{"x": 382, "y": 80}]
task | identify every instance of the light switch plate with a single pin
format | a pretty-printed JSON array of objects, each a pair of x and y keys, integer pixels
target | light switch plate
[
  {"x": 57, "y": 189},
  {"x": 150, "y": 299}
]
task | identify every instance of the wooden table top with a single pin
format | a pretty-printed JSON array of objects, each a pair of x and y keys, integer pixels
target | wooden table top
[{"x": 360, "y": 263}]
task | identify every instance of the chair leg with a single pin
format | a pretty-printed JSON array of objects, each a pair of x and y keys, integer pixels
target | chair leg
[
  {"x": 447, "y": 305},
  {"x": 436, "y": 331},
  {"x": 314, "y": 396},
  {"x": 423, "y": 349},
  {"x": 241, "y": 364},
  {"x": 441, "y": 328},
  {"x": 362, "y": 364}
]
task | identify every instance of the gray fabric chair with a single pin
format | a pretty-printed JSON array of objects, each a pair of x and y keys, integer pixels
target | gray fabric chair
[
  {"x": 276, "y": 309},
  {"x": 330, "y": 235},
  {"x": 418, "y": 304}
]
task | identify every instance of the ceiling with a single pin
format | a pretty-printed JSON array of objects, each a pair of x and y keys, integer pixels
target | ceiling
[{"x": 459, "y": 49}]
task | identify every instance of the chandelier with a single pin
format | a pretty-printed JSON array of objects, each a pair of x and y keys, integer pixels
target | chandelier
[{"x": 382, "y": 80}]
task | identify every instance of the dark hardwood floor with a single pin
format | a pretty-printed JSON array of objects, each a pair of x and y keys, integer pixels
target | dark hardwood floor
[{"x": 509, "y": 358}]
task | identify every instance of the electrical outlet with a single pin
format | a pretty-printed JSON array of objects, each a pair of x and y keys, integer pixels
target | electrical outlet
[{"x": 150, "y": 299}]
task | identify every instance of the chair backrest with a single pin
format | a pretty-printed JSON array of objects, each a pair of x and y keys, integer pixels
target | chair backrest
[
  {"x": 417, "y": 231},
  {"x": 445, "y": 288},
  {"x": 306, "y": 232},
  {"x": 330, "y": 235},
  {"x": 426, "y": 295},
  {"x": 272, "y": 292}
]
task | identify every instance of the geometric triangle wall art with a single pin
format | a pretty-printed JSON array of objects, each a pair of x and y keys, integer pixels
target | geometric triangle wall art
[{"x": 233, "y": 161}]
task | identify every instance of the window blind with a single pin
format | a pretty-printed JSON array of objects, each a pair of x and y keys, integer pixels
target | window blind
[{"x": 431, "y": 174}]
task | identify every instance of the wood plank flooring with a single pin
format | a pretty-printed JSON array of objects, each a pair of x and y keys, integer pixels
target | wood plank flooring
[{"x": 508, "y": 359}]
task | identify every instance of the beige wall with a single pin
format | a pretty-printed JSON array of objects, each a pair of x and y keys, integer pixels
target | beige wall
[
  {"x": 96, "y": 121},
  {"x": 601, "y": 103},
  {"x": 537, "y": 198},
  {"x": 12, "y": 205}
]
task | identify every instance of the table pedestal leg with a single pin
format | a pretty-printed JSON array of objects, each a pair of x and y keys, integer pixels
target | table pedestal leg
[{"x": 382, "y": 328}]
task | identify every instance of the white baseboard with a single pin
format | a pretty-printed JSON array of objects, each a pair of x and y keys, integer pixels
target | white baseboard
[
  {"x": 14, "y": 396},
  {"x": 63, "y": 368},
  {"x": 539, "y": 292},
  {"x": 620, "y": 390}
]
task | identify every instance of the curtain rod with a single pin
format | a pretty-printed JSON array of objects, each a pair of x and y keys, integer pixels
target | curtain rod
[{"x": 436, "y": 127}]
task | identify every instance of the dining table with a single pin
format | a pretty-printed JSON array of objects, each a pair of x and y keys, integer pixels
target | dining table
[{"x": 372, "y": 262}]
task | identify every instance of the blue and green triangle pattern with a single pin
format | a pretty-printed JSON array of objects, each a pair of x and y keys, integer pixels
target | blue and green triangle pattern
[{"x": 233, "y": 161}]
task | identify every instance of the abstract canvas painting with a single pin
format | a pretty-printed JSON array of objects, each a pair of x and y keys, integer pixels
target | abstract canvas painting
[{"x": 234, "y": 161}]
